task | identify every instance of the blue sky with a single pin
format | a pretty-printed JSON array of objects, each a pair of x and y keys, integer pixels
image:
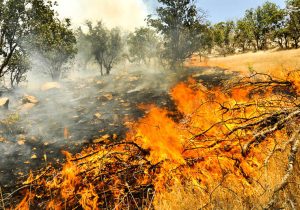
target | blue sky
[{"x": 221, "y": 10}]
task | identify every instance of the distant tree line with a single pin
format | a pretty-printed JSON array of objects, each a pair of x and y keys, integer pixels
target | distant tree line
[
  {"x": 183, "y": 30},
  {"x": 261, "y": 28}
]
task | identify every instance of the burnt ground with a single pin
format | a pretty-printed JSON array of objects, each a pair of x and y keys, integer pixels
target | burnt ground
[{"x": 78, "y": 113}]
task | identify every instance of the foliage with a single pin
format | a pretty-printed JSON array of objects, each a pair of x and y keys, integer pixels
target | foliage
[
  {"x": 206, "y": 42},
  {"x": 143, "y": 45},
  {"x": 223, "y": 37},
  {"x": 25, "y": 24},
  {"x": 181, "y": 27},
  {"x": 51, "y": 38},
  {"x": 293, "y": 23},
  {"x": 262, "y": 21},
  {"x": 112, "y": 55},
  {"x": 97, "y": 36},
  {"x": 84, "y": 47},
  {"x": 106, "y": 45},
  {"x": 13, "y": 29},
  {"x": 260, "y": 28},
  {"x": 243, "y": 36}
]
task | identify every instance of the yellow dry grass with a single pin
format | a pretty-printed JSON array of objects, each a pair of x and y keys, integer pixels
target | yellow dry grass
[{"x": 265, "y": 61}]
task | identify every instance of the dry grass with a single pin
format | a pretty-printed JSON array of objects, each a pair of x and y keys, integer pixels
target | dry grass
[
  {"x": 226, "y": 196},
  {"x": 261, "y": 61}
]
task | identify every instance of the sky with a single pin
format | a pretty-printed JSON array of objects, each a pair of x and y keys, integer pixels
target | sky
[
  {"x": 129, "y": 14},
  {"x": 222, "y": 10}
]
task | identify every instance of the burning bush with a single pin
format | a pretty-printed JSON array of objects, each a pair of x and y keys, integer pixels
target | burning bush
[{"x": 235, "y": 146}]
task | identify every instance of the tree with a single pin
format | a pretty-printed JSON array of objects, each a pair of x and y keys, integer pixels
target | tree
[
  {"x": 262, "y": 21},
  {"x": 293, "y": 24},
  {"x": 56, "y": 43},
  {"x": 52, "y": 39},
  {"x": 106, "y": 45},
  {"x": 113, "y": 52},
  {"x": 18, "y": 67},
  {"x": 98, "y": 37},
  {"x": 27, "y": 25},
  {"x": 242, "y": 35},
  {"x": 181, "y": 27},
  {"x": 84, "y": 47},
  {"x": 206, "y": 42},
  {"x": 13, "y": 30},
  {"x": 223, "y": 37},
  {"x": 143, "y": 45}
]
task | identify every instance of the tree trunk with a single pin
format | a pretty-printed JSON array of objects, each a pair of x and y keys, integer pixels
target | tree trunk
[
  {"x": 55, "y": 74},
  {"x": 296, "y": 43},
  {"x": 257, "y": 45},
  {"x": 101, "y": 69},
  {"x": 286, "y": 41}
]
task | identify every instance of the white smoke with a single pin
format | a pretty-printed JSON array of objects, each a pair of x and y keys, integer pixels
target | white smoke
[{"x": 127, "y": 14}]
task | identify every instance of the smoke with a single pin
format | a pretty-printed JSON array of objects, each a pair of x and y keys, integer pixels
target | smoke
[{"x": 127, "y": 14}]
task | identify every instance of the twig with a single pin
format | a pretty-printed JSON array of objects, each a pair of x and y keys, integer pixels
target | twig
[{"x": 2, "y": 201}]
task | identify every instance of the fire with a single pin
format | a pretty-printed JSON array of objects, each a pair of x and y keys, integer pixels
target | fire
[
  {"x": 158, "y": 133},
  {"x": 89, "y": 198},
  {"x": 25, "y": 203},
  {"x": 223, "y": 141}
]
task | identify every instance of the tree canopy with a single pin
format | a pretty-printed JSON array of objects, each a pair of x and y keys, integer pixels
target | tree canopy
[
  {"x": 32, "y": 25},
  {"x": 181, "y": 25}
]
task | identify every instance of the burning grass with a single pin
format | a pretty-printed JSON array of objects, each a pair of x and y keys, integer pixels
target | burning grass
[{"x": 234, "y": 147}]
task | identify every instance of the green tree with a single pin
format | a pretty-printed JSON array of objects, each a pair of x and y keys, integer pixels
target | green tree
[
  {"x": 242, "y": 35},
  {"x": 223, "y": 37},
  {"x": 98, "y": 37},
  {"x": 143, "y": 45},
  {"x": 113, "y": 52},
  {"x": 262, "y": 21},
  {"x": 106, "y": 45},
  {"x": 18, "y": 67},
  {"x": 51, "y": 38},
  {"x": 206, "y": 42},
  {"x": 27, "y": 25},
  {"x": 13, "y": 30},
  {"x": 56, "y": 43},
  {"x": 84, "y": 47},
  {"x": 293, "y": 23},
  {"x": 181, "y": 27}
]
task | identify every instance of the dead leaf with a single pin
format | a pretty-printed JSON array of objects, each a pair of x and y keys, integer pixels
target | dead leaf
[
  {"x": 21, "y": 142},
  {"x": 109, "y": 96},
  {"x": 97, "y": 115},
  {"x": 20, "y": 173},
  {"x": 34, "y": 156}
]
